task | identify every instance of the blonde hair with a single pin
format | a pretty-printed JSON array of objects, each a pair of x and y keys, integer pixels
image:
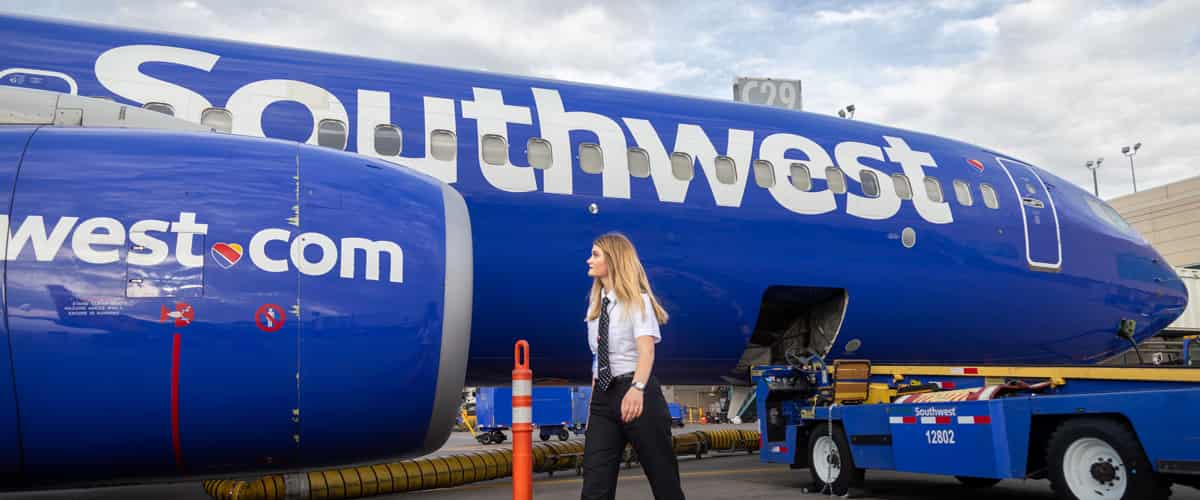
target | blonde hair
[{"x": 627, "y": 276}]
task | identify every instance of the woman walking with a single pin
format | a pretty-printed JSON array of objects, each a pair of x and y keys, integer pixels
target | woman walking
[{"x": 627, "y": 403}]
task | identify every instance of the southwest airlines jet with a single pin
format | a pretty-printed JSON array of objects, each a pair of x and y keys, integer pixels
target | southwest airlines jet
[{"x": 222, "y": 257}]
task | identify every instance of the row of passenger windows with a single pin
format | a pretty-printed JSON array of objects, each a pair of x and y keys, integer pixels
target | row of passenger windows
[
  {"x": 764, "y": 175},
  {"x": 591, "y": 160},
  {"x": 332, "y": 133},
  {"x": 443, "y": 146}
]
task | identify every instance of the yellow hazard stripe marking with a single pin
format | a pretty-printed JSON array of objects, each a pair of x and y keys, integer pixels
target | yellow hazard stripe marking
[{"x": 1067, "y": 372}]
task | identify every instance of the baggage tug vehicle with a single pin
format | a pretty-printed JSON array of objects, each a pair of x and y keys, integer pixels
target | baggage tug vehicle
[{"x": 1094, "y": 432}]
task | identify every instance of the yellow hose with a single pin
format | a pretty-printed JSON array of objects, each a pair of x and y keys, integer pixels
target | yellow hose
[
  {"x": 732, "y": 440},
  {"x": 445, "y": 472}
]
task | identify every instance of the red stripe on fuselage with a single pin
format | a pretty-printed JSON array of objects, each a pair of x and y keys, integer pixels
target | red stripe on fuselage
[{"x": 175, "y": 403}]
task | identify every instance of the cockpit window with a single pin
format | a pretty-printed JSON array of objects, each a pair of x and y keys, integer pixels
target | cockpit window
[{"x": 1109, "y": 215}]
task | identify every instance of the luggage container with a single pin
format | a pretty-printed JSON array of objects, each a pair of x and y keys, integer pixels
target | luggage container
[
  {"x": 676, "y": 414},
  {"x": 557, "y": 412}
]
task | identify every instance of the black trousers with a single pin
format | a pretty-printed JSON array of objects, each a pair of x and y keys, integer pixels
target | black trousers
[{"x": 650, "y": 435}]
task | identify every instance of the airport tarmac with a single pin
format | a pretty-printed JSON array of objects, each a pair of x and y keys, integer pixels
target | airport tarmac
[{"x": 717, "y": 476}]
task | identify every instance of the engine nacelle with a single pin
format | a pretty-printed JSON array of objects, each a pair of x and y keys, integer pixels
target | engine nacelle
[{"x": 191, "y": 304}]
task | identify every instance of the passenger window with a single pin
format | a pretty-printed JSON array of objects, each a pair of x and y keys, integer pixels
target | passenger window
[
  {"x": 539, "y": 153},
  {"x": 639, "y": 163},
  {"x": 160, "y": 107},
  {"x": 903, "y": 187},
  {"x": 495, "y": 149},
  {"x": 331, "y": 134},
  {"x": 764, "y": 174},
  {"x": 726, "y": 170},
  {"x": 836, "y": 180},
  {"x": 962, "y": 191},
  {"x": 801, "y": 177},
  {"x": 990, "y": 199},
  {"x": 682, "y": 166},
  {"x": 933, "y": 188},
  {"x": 219, "y": 119},
  {"x": 443, "y": 146},
  {"x": 870, "y": 184},
  {"x": 388, "y": 141},
  {"x": 591, "y": 158}
]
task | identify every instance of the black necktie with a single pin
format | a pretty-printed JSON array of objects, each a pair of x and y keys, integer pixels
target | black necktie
[{"x": 603, "y": 371}]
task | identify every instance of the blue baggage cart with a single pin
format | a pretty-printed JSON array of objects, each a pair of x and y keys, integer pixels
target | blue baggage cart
[
  {"x": 493, "y": 414},
  {"x": 676, "y": 414},
  {"x": 557, "y": 412}
]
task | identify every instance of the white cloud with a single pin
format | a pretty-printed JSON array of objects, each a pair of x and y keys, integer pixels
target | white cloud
[
  {"x": 983, "y": 26},
  {"x": 1067, "y": 82},
  {"x": 849, "y": 16}
]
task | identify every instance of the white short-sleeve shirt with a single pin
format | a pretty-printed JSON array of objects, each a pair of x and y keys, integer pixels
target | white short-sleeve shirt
[{"x": 624, "y": 326}]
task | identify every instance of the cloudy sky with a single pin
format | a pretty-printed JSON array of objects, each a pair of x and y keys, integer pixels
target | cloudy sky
[{"x": 1054, "y": 82}]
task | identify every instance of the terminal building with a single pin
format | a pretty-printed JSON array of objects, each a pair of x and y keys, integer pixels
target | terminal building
[{"x": 1169, "y": 217}]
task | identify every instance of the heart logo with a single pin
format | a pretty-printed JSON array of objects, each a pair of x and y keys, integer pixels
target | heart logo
[{"x": 226, "y": 254}]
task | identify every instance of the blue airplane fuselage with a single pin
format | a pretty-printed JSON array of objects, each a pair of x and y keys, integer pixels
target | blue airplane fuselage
[{"x": 752, "y": 222}]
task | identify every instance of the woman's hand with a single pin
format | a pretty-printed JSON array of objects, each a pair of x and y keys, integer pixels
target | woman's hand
[{"x": 631, "y": 405}]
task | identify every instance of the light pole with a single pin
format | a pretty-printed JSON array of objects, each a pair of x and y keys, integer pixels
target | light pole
[
  {"x": 1093, "y": 166},
  {"x": 848, "y": 110},
  {"x": 1128, "y": 151}
]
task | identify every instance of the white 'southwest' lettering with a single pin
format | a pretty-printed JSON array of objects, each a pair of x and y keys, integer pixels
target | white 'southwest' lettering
[
  {"x": 773, "y": 149},
  {"x": 248, "y": 103},
  {"x": 670, "y": 188},
  {"x": 882, "y": 206},
  {"x": 375, "y": 108},
  {"x": 935, "y": 412},
  {"x": 692, "y": 140},
  {"x": 914, "y": 163},
  {"x": 493, "y": 116},
  {"x": 557, "y": 125},
  {"x": 99, "y": 240},
  {"x": 119, "y": 70}
]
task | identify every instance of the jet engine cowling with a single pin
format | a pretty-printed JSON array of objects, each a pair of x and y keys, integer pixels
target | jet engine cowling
[{"x": 192, "y": 304}]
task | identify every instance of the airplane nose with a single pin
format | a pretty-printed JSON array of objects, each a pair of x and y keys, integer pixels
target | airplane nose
[
  {"x": 1172, "y": 294},
  {"x": 1177, "y": 288}
]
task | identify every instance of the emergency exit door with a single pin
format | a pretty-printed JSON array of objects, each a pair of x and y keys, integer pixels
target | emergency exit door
[{"x": 1043, "y": 243}]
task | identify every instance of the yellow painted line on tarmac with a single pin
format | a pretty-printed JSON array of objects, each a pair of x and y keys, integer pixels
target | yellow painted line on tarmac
[{"x": 642, "y": 477}]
